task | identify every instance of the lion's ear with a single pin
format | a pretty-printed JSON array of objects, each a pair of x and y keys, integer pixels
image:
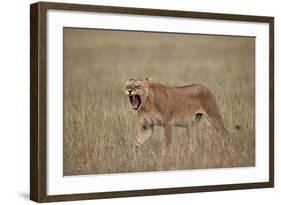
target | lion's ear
[
  {"x": 149, "y": 79},
  {"x": 128, "y": 81}
]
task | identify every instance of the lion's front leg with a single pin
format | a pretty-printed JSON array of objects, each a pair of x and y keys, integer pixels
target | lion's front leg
[
  {"x": 168, "y": 135},
  {"x": 144, "y": 133}
]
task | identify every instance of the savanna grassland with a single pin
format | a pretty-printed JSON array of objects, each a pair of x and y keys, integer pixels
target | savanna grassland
[{"x": 100, "y": 124}]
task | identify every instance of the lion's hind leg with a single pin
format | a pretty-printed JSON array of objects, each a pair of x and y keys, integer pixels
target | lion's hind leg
[
  {"x": 216, "y": 121},
  {"x": 211, "y": 112}
]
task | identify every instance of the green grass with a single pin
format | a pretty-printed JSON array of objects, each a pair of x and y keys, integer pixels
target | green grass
[{"x": 100, "y": 125}]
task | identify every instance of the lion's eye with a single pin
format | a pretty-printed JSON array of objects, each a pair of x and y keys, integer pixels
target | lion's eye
[{"x": 138, "y": 87}]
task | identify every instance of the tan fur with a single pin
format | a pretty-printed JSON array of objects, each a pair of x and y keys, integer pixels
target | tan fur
[{"x": 167, "y": 107}]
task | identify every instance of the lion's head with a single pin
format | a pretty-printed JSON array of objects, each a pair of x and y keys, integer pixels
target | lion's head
[{"x": 137, "y": 90}]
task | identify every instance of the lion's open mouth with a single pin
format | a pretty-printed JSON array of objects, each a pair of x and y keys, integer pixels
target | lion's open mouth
[{"x": 135, "y": 101}]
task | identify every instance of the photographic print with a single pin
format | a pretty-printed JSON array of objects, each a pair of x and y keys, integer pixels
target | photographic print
[{"x": 138, "y": 101}]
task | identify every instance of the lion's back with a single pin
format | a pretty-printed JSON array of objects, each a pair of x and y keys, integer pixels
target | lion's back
[{"x": 191, "y": 91}]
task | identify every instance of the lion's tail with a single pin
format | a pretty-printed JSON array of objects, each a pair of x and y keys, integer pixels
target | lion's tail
[{"x": 234, "y": 129}]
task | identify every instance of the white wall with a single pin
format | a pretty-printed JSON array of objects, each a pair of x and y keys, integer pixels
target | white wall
[{"x": 14, "y": 103}]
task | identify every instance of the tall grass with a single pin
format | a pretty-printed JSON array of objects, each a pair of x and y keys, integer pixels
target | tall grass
[{"x": 100, "y": 125}]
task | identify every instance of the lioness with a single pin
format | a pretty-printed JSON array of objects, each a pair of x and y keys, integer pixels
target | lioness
[{"x": 158, "y": 105}]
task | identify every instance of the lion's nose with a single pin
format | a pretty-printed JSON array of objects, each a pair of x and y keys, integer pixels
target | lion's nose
[{"x": 130, "y": 90}]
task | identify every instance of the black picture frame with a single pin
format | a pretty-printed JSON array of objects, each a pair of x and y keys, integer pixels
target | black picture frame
[{"x": 38, "y": 101}]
